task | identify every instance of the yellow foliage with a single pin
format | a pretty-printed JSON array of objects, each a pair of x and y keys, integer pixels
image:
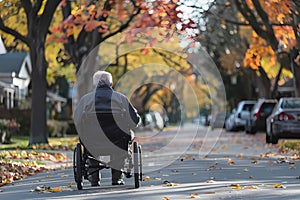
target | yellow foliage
[
  {"x": 15, "y": 19},
  {"x": 260, "y": 52}
]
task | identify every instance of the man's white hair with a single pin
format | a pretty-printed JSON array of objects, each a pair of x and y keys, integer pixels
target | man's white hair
[{"x": 102, "y": 78}]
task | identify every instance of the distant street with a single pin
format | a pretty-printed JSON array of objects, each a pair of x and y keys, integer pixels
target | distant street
[{"x": 239, "y": 166}]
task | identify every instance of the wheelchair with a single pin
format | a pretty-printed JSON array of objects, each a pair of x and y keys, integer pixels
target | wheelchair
[{"x": 133, "y": 160}]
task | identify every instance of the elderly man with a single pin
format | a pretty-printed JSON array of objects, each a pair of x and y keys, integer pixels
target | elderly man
[{"x": 116, "y": 117}]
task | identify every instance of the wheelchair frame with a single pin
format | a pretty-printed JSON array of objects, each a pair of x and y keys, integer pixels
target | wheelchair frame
[{"x": 80, "y": 166}]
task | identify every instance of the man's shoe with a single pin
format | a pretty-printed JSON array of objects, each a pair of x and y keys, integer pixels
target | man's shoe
[
  {"x": 119, "y": 182},
  {"x": 128, "y": 174}
]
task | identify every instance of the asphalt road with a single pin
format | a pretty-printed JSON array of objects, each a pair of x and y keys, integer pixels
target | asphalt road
[{"x": 184, "y": 163}]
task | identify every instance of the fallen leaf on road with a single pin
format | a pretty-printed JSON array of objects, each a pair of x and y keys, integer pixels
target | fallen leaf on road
[
  {"x": 278, "y": 186},
  {"x": 146, "y": 178},
  {"x": 209, "y": 193},
  {"x": 254, "y": 158},
  {"x": 230, "y": 162},
  {"x": 47, "y": 189},
  {"x": 70, "y": 184},
  {"x": 212, "y": 167},
  {"x": 56, "y": 189},
  {"x": 251, "y": 177},
  {"x": 236, "y": 186},
  {"x": 209, "y": 181},
  {"x": 165, "y": 198},
  {"x": 194, "y": 195},
  {"x": 270, "y": 154},
  {"x": 167, "y": 183},
  {"x": 251, "y": 187},
  {"x": 240, "y": 155}
]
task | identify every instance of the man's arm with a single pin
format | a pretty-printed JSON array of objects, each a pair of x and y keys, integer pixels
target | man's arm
[{"x": 133, "y": 117}]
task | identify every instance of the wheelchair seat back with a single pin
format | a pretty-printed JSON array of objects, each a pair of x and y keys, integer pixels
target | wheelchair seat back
[{"x": 93, "y": 137}]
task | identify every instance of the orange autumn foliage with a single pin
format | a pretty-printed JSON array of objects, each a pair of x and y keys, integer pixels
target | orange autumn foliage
[
  {"x": 256, "y": 51},
  {"x": 279, "y": 14}
]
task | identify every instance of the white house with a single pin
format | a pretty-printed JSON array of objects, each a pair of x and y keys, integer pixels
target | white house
[
  {"x": 15, "y": 70},
  {"x": 15, "y": 77}
]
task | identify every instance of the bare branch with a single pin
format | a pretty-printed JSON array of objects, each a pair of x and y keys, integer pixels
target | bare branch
[
  {"x": 13, "y": 32},
  {"x": 123, "y": 26}
]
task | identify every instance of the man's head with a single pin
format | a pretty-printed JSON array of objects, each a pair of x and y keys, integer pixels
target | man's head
[{"x": 102, "y": 78}]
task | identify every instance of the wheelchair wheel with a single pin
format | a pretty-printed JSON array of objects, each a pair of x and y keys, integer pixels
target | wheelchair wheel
[
  {"x": 136, "y": 164},
  {"x": 140, "y": 163},
  {"x": 78, "y": 166}
]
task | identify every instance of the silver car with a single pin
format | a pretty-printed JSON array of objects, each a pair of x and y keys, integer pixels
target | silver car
[
  {"x": 284, "y": 122},
  {"x": 237, "y": 119}
]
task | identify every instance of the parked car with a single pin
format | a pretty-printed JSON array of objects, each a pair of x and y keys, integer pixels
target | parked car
[
  {"x": 284, "y": 122},
  {"x": 259, "y": 113},
  {"x": 152, "y": 121},
  {"x": 237, "y": 119}
]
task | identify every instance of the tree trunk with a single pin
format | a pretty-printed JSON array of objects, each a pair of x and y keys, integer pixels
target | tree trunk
[
  {"x": 38, "y": 126},
  {"x": 265, "y": 88}
]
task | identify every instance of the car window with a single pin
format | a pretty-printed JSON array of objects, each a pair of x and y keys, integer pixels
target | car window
[
  {"x": 247, "y": 107},
  {"x": 291, "y": 103},
  {"x": 255, "y": 108},
  {"x": 267, "y": 107}
]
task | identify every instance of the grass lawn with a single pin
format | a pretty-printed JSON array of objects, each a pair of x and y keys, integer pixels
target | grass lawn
[
  {"x": 18, "y": 160},
  {"x": 21, "y": 142},
  {"x": 290, "y": 145}
]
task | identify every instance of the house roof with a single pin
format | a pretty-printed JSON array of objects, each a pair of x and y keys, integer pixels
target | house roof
[
  {"x": 5, "y": 85},
  {"x": 12, "y": 62}
]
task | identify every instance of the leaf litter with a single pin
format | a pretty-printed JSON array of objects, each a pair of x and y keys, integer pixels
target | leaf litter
[{"x": 17, "y": 164}]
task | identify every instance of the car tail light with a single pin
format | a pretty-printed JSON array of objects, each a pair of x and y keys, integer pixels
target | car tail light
[
  {"x": 285, "y": 117},
  {"x": 257, "y": 113}
]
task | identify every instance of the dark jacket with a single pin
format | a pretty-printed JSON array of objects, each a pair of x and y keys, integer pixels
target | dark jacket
[{"x": 115, "y": 113}]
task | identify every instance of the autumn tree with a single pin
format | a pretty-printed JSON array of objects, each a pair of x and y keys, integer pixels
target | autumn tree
[
  {"x": 38, "y": 15},
  {"x": 263, "y": 26},
  {"x": 85, "y": 25},
  {"x": 88, "y": 24},
  {"x": 226, "y": 42},
  {"x": 276, "y": 24}
]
